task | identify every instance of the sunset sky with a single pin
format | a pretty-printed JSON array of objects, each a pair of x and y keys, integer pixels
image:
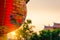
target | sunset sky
[{"x": 43, "y": 12}]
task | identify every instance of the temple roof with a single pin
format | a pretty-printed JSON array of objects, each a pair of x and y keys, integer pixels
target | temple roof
[
  {"x": 48, "y": 26},
  {"x": 56, "y": 23}
]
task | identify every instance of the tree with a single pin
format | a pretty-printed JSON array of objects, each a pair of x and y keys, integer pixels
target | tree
[
  {"x": 25, "y": 32},
  {"x": 45, "y": 35},
  {"x": 50, "y": 35},
  {"x": 34, "y": 36},
  {"x": 55, "y": 34}
]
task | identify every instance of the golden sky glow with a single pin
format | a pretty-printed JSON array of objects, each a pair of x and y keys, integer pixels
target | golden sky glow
[{"x": 43, "y": 12}]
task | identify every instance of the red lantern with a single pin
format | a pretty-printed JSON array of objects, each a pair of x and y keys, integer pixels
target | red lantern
[{"x": 12, "y": 14}]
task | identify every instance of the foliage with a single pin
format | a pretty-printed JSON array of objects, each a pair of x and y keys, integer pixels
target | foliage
[
  {"x": 56, "y": 34},
  {"x": 34, "y": 36},
  {"x": 47, "y": 35},
  {"x": 27, "y": 34}
]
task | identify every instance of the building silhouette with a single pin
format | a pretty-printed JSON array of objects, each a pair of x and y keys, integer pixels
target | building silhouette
[{"x": 55, "y": 26}]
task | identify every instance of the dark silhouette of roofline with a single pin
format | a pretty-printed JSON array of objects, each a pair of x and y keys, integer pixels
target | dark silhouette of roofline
[{"x": 56, "y": 23}]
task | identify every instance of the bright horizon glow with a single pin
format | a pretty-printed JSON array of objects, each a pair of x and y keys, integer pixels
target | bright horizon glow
[{"x": 43, "y": 12}]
